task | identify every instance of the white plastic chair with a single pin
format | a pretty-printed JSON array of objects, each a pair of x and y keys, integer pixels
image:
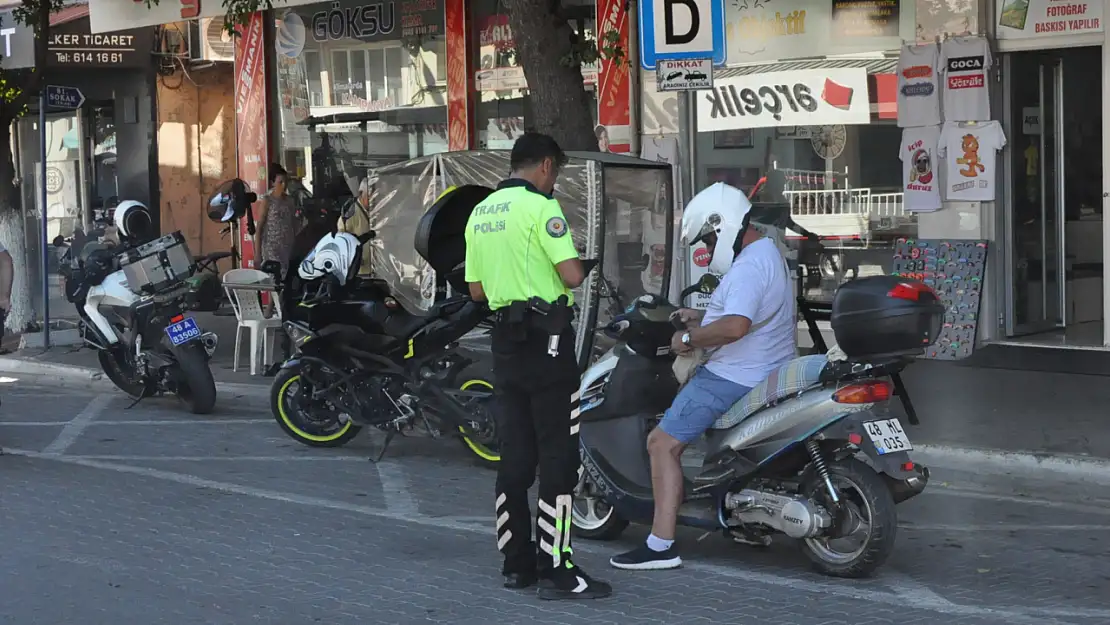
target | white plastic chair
[{"x": 247, "y": 303}]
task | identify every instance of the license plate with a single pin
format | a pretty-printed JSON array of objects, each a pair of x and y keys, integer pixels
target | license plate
[
  {"x": 183, "y": 331},
  {"x": 888, "y": 436}
]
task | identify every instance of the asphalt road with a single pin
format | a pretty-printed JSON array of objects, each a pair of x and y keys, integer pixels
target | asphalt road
[{"x": 151, "y": 515}]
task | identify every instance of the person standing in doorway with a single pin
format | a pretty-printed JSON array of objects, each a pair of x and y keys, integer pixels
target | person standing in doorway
[
  {"x": 276, "y": 231},
  {"x": 520, "y": 257}
]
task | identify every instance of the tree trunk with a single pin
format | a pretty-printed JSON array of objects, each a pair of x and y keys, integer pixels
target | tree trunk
[
  {"x": 560, "y": 104},
  {"x": 12, "y": 235}
]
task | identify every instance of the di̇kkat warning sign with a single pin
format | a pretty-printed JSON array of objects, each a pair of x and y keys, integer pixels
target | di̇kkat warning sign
[
  {"x": 954, "y": 269},
  {"x": 1019, "y": 19}
]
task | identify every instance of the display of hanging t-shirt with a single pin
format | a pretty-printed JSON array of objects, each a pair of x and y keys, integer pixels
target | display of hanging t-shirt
[
  {"x": 964, "y": 61},
  {"x": 920, "y": 180},
  {"x": 970, "y": 152},
  {"x": 918, "y": 88}
]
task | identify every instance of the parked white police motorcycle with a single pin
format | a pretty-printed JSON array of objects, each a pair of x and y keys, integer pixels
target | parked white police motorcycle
[
  {"x": 808, "y": 453},
  {"x": 131, "y": 300}
]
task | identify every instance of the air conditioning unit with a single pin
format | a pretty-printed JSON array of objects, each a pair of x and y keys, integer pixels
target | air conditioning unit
[{"x": 209, "y": 40}]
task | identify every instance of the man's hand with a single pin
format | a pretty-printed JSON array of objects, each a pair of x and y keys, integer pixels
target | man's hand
[
  {"x": 677, "y": 346},
  {"x": 690, "y": 317}
]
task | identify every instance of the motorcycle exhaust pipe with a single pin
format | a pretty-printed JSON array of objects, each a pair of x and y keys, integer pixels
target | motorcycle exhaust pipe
[{"x": 209, "y": 340}]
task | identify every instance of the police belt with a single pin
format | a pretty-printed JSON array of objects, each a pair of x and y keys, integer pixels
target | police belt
[{"x": 535, "y": 314}]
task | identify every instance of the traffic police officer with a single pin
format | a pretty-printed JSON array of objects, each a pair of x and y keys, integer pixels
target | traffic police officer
[{"x": 521, "y": 259}]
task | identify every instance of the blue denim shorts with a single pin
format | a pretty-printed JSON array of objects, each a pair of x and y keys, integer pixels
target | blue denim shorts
[{"x": 702, "y": 401}]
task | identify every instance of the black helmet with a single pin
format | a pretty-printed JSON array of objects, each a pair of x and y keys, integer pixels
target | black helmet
[{"x": 231, "y": 201}]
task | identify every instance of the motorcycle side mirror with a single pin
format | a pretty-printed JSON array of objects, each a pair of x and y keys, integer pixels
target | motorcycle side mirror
[{"x": 59, "y": 241}]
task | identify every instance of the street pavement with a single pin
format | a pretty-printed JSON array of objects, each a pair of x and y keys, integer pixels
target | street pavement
[{"x": 152, "y": 515}]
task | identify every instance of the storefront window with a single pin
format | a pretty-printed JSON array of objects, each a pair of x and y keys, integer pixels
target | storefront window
[
  {"x": 503, "y": 106},
  {"x": 842, "y": 182},
  {"x": 376, "y": 73}
]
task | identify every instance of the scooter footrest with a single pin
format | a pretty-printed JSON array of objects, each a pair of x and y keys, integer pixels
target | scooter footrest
[{"x": 712, "y": 476}]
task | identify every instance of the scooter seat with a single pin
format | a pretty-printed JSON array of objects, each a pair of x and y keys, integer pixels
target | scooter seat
[{"x": 793, "y": 377}]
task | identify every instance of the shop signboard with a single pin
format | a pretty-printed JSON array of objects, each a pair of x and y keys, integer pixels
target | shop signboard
[
  {"x": 1022, "y": 19},
  {"x": 809, "y": 97},
  {"x": 114, "y": 15},
  {"x": 17, "y": 43},
  {"x": 614, "y": 81},
  {"x": 72, "y": 44},
  {"x": 250, "y": 108},
  {"x": 766, "y": 30},
  {"x": 366, "y": 21}
]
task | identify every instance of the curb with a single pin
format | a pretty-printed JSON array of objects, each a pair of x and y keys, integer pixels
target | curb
[
  {"x": 1029, "y": 463},
  {"x": 74, "y": 376}
]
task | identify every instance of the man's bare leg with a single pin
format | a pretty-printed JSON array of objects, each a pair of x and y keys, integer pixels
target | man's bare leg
[{"x": 666, "y": 482}]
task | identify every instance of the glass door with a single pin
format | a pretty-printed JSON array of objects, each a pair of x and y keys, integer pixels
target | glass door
[{"x": 1035, "y": 230}]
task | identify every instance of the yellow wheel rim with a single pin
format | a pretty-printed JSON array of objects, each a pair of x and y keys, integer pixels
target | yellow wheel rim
[
  {"x": 479, "y": 449},
  {"x": 316, "y": 438}
]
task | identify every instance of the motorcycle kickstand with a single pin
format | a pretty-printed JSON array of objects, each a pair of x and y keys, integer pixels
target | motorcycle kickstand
[
  {"x": 138, "y": 399},
  {"x": 385, "y": 445}
]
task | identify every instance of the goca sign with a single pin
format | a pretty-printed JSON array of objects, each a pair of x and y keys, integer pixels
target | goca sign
[{"x": 681, "y": 29}]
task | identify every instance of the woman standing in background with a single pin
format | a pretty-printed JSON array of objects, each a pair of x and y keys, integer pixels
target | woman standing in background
[{"x": 276, "y": 231}]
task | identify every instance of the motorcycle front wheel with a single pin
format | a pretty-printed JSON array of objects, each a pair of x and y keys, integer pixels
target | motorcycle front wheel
[
  {"x": 591, "y": 516},
  {"x": 120, "y": 372},
  {"x": 868, "y": 524},
  {"x": 312, "y": 423}
]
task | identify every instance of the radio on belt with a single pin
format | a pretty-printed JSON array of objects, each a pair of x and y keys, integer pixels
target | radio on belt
[{"x": 552, "y": 318}]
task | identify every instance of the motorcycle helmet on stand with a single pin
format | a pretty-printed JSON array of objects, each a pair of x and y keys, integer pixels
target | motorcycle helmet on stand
[
  {"x": 232, "y": 201},
  {"x": 134, "y": 223}
]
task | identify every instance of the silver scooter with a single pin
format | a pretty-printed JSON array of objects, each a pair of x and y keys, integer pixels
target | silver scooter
[{"x": 809, "y": 453}]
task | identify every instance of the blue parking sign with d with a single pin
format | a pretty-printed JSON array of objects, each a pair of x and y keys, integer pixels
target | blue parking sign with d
[{"x": 681, "y": 29}]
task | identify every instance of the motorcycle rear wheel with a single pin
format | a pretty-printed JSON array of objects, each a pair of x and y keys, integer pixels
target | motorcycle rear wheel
[
  {"x": 304, "y": 428},
  {"x": 866, "y": 494},
  {"x": 485, "y": 445},
  {"x": 195, "y": 385}
]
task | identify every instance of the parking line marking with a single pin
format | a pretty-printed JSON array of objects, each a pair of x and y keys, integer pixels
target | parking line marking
[
  {"x": 1024, "y": 615},
  {"x": 297, "y": 458},
  {"x": 228, "y": 421},
  {"x": 73, "y": 430},
  {"x": 395, "y": 489},
  {"x": 1001, "y": 527}
]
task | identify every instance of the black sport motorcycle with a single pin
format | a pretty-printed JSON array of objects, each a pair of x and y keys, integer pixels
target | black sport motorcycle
[{"x": 361, "y": 359}]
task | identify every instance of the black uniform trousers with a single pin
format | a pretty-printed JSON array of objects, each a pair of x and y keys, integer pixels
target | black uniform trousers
[{"x": 537, "y": 423}]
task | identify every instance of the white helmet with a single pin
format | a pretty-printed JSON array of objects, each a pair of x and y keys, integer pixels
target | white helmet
[
  {"x": 722, "y": 210},
  {"x": 334, "y": 254},
  {"x": 133, "y": 220}
]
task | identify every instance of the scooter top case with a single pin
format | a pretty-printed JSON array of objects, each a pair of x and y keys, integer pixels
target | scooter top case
[{"x": 441, "y": 233}]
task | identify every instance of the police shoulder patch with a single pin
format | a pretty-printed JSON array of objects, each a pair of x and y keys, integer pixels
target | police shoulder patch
[{"x": 556, "y": 227}]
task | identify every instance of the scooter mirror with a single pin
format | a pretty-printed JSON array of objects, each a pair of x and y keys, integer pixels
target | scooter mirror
[
  {"x": 708, "y": 283},
  {"x": 59, "y": 241}
]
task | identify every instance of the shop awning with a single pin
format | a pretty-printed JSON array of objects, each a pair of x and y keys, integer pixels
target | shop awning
[
  {"x": 882, "y": 78},
  {"x": 873, "y": 66}
]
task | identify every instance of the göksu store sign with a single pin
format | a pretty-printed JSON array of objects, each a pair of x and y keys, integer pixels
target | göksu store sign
[{"x": 809, "y": 97}]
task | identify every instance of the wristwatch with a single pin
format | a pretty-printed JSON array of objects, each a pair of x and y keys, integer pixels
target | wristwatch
[{"x": 686, "y": 339}]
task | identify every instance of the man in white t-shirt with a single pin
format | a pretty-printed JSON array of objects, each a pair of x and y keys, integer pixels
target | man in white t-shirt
[{"x": 749, "y": 331}]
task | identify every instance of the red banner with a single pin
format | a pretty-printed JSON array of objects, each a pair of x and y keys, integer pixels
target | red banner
[
  {"x": 613, "y": 82},
  {"x": 250, "y": 120},
  {"x": 458, "y": 72}
]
